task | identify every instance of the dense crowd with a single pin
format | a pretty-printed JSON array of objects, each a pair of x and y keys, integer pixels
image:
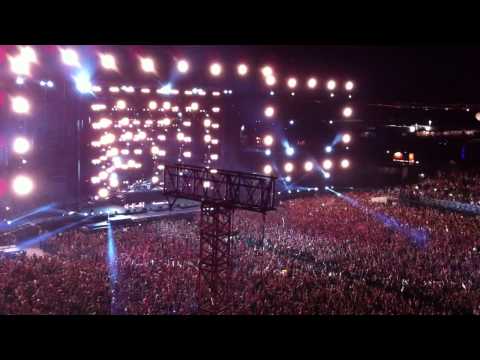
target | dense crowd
[
  {"x": 324, "y": 254},
  {"x": 461, "y": 186}
]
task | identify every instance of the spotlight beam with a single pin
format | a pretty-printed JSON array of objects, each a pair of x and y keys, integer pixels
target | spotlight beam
[{"x": 418, "y": 236}]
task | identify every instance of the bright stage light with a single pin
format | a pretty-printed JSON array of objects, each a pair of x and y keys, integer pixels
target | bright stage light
[
  {"x": 326, "y": 175},
  {"x": 268, "y": 152},
  {"x": 327, "y": 164},
  {"x": 183, "y": 66},
  {"x": 108, "y": 138},
  {"x": 331, "y": 85},
  {"x": 267, "y": 169},
  {"x": 155, "y": 179},
  {"x": 288, "y": 179},
  {"x": 207, "y": 122},
  {"x": 312, "y": 83},
  {"x": 121, "y": 105},
  {"x": 411, "y": 129},
  {"x": 206, "y": 184},
  {"x": 207, "y": 138},
  {"x": 347, "y": 112},
  {"x": 242, "y": 69},
  {"x": 349, "y": 85},
  {"x": 19, "y": 65},
  {"x": 28, "y": 54},
  {"x": 308, "y": 166},
  {"x": 108, "y": 62},
  {"x": 268, "y": 140},
  {"x": 124, "y": 122},
  {"x": 166, "y": 105},
  {"x": 346, "y": 138},
  {"x": 147, "y": 65},
  {"x": 20, "y": 105},
  {"x": 113, "y": 181},
  {"x": 270, "y": 80},
  {"x": 70, "y": 57},
  {"x": 215, "y": 69},
  {"x": 328, "y": 149},
  {"x": 345, "y": 164},
  {"x": 288, "y": 167},
  {"x": 292, "y": 83},
  {"x": 187, "y": 154},
  {"x": 194, "y": 106},
  {"x": 83, "y": 83},
  {"x": 103, "y": 175},
  {"x": 269, "y": 111},
  {"x": 22, "y": 185},
  {"x": 152, "y": 105},
  {"x": 214, "y": 157},
  {"x": 103, "y": 193},
  {"x": 21, "y": 145},
  {"x": 289, "y": 151},
  {"x": 267, "y": 71},
  {"x": 180, "y": 136},
  {"x": 19, "y": 80}
]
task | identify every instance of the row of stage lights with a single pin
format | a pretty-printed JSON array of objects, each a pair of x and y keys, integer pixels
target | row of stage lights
[
  {"x": 269, "y": 140},
  {"x": 21, "y": 63},
  {"x": 308, "y": 166}
]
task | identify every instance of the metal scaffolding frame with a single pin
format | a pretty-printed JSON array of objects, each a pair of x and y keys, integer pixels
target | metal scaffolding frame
[{"x": 220, "y": 193}]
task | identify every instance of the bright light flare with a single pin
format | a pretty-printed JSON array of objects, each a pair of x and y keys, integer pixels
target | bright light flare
[
  {"x": 308, "y": 166},
  {"x": 267, "y": 169},
  {"x": 292, "y": 83},
  {"x": 349, "y": 86},
  {"x": 268, "y": 140},
  {"x": 327, "y": 164},
  {"x": 347, "y": 112},
  {"x": 288, "y": 167},
  {"x": 270, "y": 80},
  {"x": 121, "y": 105},
  {"x": 22, "y": 185},
  {"x": 28, "y": 54},
  {"x": 20, "y": 105},
  {"x": 267, "y": 71},
  {"x": 147, "y": 64},
  {"x": 345, "y": 164},
  {"x": 183, "y": 66},
  {"x": 216, "y": 69},
  {"x": 83, "y": 82},
  {"x": 103, "y": 193},
  {"x": 269, "y": 111},
  {"x": 21, "y": 145},
  {"x": 152, "y": 105},
  {"x": 19, "y": 65},
  {"x": 328, "y": 149},
  {"x": 346, "y": 138},
  {"x": 242, "y": 69},
  {"x": 331, "y": 85},
  {"x": 108, "y": 61},
  {"x": 70, "y": 57},
  {"x": 312, "y": 83}
]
